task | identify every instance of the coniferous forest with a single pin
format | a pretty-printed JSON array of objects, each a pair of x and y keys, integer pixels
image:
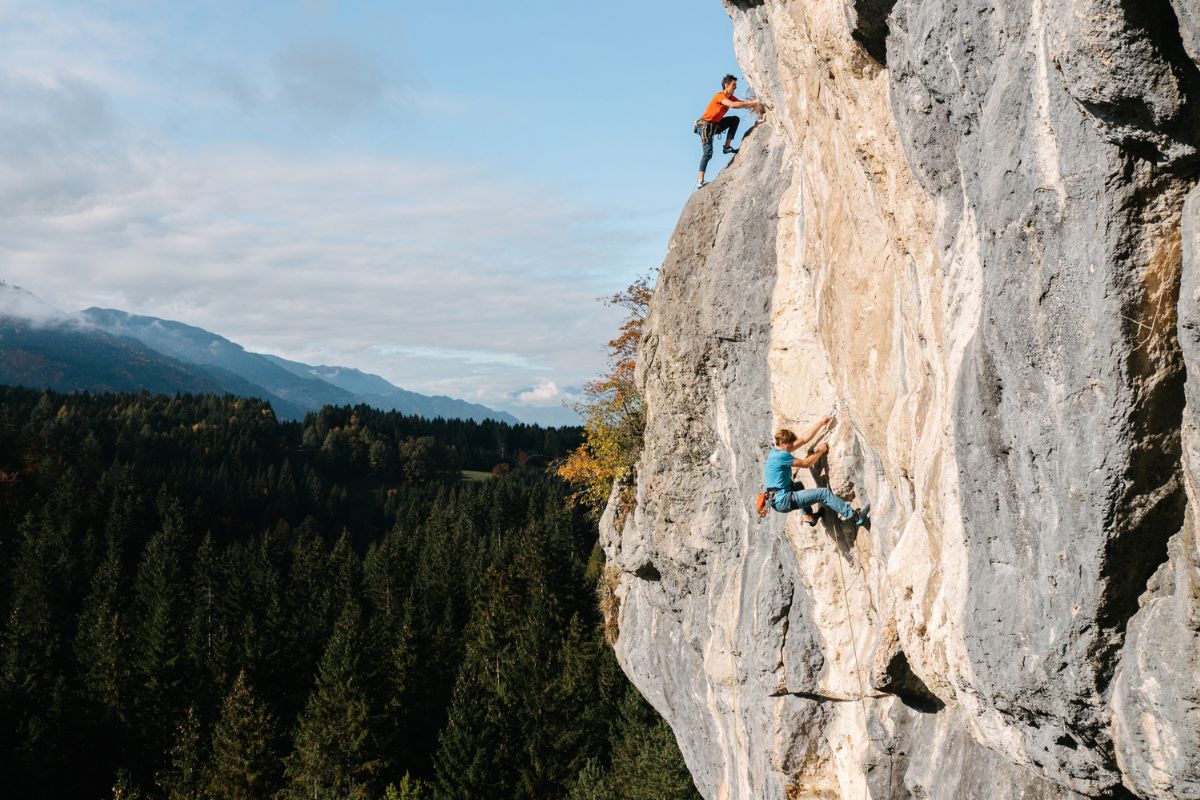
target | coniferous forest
[{"x": 201, "y": 602}]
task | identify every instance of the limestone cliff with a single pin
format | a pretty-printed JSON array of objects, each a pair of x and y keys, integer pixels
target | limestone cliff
[{"x": 972, "y": 229}]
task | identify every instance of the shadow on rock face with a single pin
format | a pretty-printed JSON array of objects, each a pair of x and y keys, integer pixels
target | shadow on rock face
[
  {"x": 898, "y": 679},
  {"x": 868, "y": 20},
  {"x": 845, "y": 535}
]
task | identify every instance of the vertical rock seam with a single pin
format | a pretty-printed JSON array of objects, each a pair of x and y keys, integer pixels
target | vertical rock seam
[{"x": 972, "y": 229}]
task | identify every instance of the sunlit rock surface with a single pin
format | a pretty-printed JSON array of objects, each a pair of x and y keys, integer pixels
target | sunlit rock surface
[{"x": 965, "y": 228}]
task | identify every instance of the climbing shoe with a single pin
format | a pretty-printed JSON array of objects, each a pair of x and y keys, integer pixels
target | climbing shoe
[
  {"x": 812, "y": 519},
  {"x": 862, "y": 516},
  {"x": 701, "y": 184},
  {"x": 728, "y": 150}
]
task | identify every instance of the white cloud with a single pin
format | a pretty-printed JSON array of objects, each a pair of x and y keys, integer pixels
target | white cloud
[
  {"x": 465, "y": 356},
  {"x": 443, "y": 277},
  {"x": 547, "y": 395},
  {"x": 20, "y": 304},
  {"x": 440, "y": 277},
  {"x": 57, "y": 144}
]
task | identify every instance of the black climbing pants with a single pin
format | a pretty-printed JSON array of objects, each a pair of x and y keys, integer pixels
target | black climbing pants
[{"x": 711, "y": 130}]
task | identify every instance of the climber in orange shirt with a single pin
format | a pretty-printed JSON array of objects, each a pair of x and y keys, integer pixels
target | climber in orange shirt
[{"x": 714, "y": 122}]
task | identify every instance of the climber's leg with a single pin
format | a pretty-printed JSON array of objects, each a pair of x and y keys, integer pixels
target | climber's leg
[
  {"x": 783, "y": 503},
  {"x": 729, "y": 125},
  {"x": 706, "y": 141},
  {"x": 824, "y": 497}
]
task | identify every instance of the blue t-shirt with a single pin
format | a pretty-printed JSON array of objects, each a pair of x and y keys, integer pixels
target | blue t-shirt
[{"x": 777, "y": 474}]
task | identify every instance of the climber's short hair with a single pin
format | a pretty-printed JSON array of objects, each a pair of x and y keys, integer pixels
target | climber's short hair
[
  {"x": 784, "y": 437},
  {"x": 728, "y": 79}
]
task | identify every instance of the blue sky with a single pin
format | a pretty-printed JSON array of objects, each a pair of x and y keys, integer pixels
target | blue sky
[{"x": 437, "y": 193}]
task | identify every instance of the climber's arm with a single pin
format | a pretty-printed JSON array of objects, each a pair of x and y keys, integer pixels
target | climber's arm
[
  {"x": 813, "y": 457},
  {"x": 812, "y": 432},
  {"x": 755, "y": 104}
]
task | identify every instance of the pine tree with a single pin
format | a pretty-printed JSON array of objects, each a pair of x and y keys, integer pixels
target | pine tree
[
  {"x": 402, "y": 678},
  {"x": 583, "y": 718},
  {"x": 335, "y": 754},
  {"x": 409, "y": 788},
  {"x": 100, "y": 646},
  {"x": 160, "y": 591},
  {"x": 184, "y": 778},
  {"x": 400, "y": 683},
  {"x": 264, "y": 629},
  {"x": 647, "y": 764},
  {"x": 286, "y": 493},
  {"x": 244, "y": 761},
  {"x": 479, "y": 749},
  {"x": 555, "y": 711},
  {"x": 124, "y": 787},
  {"x": 307, "y": 598},
  {"x": 31, "y": 659},
  {"x": 209, "y": 649},
  {"x": 345, "y": 573},
  {"x": 386, "y": 578},
  {"x": 476, "y": 613},
  {"x": 593, "y": 783}
]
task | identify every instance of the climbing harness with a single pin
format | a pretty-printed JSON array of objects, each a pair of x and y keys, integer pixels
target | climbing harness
[{"x": 764, "y": 501}]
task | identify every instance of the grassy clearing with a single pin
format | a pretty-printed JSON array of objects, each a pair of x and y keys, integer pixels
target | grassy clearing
[{"x": 476, "y": 475}]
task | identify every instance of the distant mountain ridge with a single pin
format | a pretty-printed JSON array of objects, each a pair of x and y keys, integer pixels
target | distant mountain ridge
[
  {"x": 69, "y": 359},
  {"x": 379, "y": 393},
  {"x": 104, "y": 349},
  {"x": 195, "y": 345}
]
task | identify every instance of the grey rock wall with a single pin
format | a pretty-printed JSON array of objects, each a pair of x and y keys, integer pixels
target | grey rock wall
[
  {"x": 708, "y": 395},
  {"x": 1156, "y": 700},
  {"x": 961, "y": 226}
]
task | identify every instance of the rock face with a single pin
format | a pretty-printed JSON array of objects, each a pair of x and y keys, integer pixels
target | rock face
[{"x": 971, "y": 230}]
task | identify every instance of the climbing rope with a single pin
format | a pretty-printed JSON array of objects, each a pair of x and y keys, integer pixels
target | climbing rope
[
  {"x": 837, "y": 405},
  {"x": 862, "y": 690},
  {"x": 858, "y": 675}
]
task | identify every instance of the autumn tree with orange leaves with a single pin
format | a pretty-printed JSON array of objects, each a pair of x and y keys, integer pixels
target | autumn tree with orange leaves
[{"x": 614, "y": 416}]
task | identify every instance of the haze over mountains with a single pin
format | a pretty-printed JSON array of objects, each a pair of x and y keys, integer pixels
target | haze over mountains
[{"x": 104, "y": 349}]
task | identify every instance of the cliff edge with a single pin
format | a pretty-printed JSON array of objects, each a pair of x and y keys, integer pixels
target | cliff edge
[{"x": 972, "y": 230}]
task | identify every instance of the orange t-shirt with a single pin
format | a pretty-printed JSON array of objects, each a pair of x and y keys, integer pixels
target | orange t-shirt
[{"x": 716, "y": 109}]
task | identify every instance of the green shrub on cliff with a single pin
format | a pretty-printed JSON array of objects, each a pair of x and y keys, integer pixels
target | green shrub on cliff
[{"x": 614, "y": 416}]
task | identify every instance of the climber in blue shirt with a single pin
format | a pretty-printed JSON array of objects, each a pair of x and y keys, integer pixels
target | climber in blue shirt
[{"x": 785, "y": 494}]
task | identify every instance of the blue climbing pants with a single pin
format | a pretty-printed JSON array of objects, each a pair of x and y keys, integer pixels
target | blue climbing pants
[
  {"x": 710, "y": 131},
  {"x": 790, "y": 501}
]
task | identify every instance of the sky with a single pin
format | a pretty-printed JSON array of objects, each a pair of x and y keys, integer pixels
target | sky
[{"x": 438, "y": 193}]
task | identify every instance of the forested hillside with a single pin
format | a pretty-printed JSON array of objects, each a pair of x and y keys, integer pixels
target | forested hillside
[{"x": 199, "y": 601}]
